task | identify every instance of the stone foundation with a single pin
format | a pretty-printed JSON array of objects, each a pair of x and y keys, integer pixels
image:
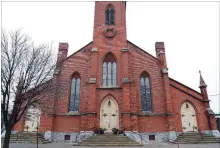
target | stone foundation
[
  {"x": 12, "y": 133},
  {"x": 60, "y": 136},
  {"x": 211, "y": 133},
  {"x": 159, "y": 136}
]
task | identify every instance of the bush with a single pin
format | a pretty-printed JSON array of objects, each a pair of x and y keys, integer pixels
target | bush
[
  {"x": 100, "y": 131},
  {"x": 121, "y": 131},
  {"x": 117, "y": 131}
]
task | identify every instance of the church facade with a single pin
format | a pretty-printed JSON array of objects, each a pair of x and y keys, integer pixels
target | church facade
[{"x": 112, "y": 83}]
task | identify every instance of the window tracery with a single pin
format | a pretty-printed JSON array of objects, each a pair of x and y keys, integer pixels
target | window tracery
[
  {"x": 75, "y": 93},
  {"x": 146, "y": 102},
  {"x": 109, "y": 71}
]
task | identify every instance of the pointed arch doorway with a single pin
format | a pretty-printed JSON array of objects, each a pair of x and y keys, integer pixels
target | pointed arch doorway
[
  {"x": 188, "y": 117},
  {"x": 32, "y": 118},
  {"x": 109, "y": 114}
]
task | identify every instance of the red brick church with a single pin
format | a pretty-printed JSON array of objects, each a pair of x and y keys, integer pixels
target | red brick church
[{"x": 112, "y": 83}]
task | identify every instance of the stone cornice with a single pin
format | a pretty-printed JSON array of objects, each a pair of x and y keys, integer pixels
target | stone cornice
[
  {"x": 146, "y": 114},
  {"x": 74, "y": 114},
  {"x": 115, "y": 87}
]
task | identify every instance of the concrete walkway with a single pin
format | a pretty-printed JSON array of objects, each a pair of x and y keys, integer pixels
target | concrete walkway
[{"x": 152, "y": 145}]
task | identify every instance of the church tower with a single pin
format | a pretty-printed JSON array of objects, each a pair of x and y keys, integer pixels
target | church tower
[
  {"x": 110, "y": 24},
  {"x": 109, "y": 63}
]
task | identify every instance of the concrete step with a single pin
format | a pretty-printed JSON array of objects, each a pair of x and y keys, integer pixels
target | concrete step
[
  {"x": 108, "y": 140},
  {"x": 107, "y": 145},
  {"x": 198, "y": 141},
  {"x": 108, "y": 136},
  {"x": 189, "y": 142},
  {"x": 190, "y": 133},
  {"x": 24, "y": 138},
  {"x": 29, "y": 142},
  {"x": 111, "y": 139},
  {"x": 132, "y": 142},
  {"x": 190, "y": 136}
]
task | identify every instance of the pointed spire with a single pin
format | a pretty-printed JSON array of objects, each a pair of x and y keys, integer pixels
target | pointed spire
[{"x": 202, "y": 82}]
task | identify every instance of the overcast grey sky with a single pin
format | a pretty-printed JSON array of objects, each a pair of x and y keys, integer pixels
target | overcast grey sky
[{"x": 190, "y": 31}]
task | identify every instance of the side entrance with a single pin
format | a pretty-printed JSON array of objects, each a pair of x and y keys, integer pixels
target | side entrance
[
  {"x": 32, "y": 118},
  {"x": 188, "y": 115},
  {"x": 109, "y": 114}
]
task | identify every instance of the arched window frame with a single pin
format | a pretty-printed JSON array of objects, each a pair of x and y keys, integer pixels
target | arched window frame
[
  {"x": 145, "y": 92},
  {"x": 109, "y": 71},
  {"x": 110, "y": 15},
  {"x": 74, "y": 98}
]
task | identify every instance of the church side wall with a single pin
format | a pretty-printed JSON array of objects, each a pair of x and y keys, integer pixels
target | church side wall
[{"x": 65, "y": 120}]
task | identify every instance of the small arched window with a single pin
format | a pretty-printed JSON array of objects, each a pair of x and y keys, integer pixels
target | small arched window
[
  {"x": 110, "y": 15},
  {"x": 146, "y": 102},
  {"x": 75, "y": 93},
  {"x": 109, "y": 71}
]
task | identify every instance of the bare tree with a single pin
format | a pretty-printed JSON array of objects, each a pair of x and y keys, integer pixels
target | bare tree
[{"x": 26, "y": 71}]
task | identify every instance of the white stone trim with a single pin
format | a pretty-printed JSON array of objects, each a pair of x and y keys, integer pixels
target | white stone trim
[
  {"x": 160, "y": 52},
  {"x": 94, "y": 49},
  {"x": 92, "y": 80},
  {"x": 164, "y": 70}
]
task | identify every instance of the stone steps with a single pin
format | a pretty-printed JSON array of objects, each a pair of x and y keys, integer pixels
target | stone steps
[
  {"x": 108, "y": 140},
  {"x": 197, "y": 142},
  {"x": 112, "y": 145},
  {"x": 113, "y": 139},
  {"x": 25, "y": 137},
  {"x": 194, "y": 138}
]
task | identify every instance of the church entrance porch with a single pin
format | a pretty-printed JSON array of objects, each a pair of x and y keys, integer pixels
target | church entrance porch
[
  {"x": 188, "y": 116},
  {"x": 109, "y": 116}
]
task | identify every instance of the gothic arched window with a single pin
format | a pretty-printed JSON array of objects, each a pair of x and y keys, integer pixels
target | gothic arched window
[
  {"x": 75, "y": 93},
  {"x": 146, "y": 102},
  {"x": 109, "y": 15},
  {"x": 109, "y": 71}
]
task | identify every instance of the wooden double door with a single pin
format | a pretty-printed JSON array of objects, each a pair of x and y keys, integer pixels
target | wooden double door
[{"x": 109, "y": 114}]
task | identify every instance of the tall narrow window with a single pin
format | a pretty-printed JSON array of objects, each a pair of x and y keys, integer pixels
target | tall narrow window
[
  {"x": 109, "y": 15},
  {"x": 146, "y": 102},
  {"x": 109, "y": 71},
  {"x": 75, "y": 93}
]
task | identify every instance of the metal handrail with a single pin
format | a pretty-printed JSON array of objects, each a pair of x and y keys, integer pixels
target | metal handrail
[
  {"x": 200, "y": 133},
  {"x": 18, "y": 133},
  {"x": 138, "y": 135},
  {"x": 81, "y": 133}
]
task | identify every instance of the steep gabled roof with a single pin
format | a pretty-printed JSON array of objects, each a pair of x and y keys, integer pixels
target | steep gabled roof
[
  {"x": 195, "y": 94},
  {"x": 185, "y": 86}
]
